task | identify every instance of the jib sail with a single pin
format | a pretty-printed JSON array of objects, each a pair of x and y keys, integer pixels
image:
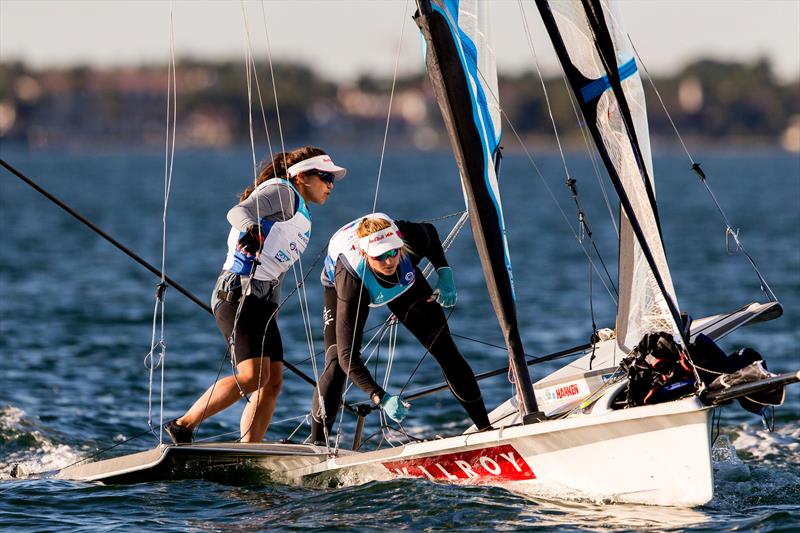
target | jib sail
[{"x": 599, "y": 64}]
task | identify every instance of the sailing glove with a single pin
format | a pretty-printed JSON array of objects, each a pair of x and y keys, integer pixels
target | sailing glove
[
  {"x": 445, "y": 292},
  {"x": 394, "y": 407},
  {"x": 251, "y": 240}
]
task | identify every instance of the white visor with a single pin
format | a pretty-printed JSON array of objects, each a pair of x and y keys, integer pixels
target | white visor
[
  {"x": 319, "y": 162},
  {"x": 381, "y": 241}
]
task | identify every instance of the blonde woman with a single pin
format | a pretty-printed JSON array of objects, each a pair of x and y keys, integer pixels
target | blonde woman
[
  {"x": 371, "y": 262},
  {"x": 270, "y": 229}
]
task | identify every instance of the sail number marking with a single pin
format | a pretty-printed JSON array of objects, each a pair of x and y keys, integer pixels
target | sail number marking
[{"x": 479, "y": 466}]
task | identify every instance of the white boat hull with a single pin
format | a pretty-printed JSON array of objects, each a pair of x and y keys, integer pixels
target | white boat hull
[{"x": 658, "y": 455}]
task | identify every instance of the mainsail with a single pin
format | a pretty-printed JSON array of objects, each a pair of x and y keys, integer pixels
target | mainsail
[
  {"x": 599, "y": 64},
  {"x": 462, "y": 69}
]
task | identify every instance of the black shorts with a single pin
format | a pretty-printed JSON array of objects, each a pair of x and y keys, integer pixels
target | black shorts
[{"x": 256, "y": 330}]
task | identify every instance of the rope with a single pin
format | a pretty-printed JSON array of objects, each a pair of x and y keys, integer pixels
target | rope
[
  {"x": 159, "y": 308},
  {"x": 374, "y": 208},
  {"x": 583, "y": 224},
  {"x": 729, "y": 231}
]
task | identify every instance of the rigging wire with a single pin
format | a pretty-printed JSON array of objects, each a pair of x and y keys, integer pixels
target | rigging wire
[
  {"x": 374, "y": 207},
  {"x": 729, "y": 231},
  {"x": 298, "y": 266},
  {"x": 612, "y": 293},
  {"x": 159, "y": 308},
  {"x": 583, "y": 225}
]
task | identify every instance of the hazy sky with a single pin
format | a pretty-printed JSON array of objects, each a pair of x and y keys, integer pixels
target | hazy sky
[{"x": 341, "y": 39}]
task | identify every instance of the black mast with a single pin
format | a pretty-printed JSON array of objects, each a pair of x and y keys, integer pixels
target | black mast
[{"x": 452, "y": 89}]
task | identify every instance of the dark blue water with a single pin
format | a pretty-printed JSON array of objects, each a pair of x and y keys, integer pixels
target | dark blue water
[{"x": 76, "y": 314}]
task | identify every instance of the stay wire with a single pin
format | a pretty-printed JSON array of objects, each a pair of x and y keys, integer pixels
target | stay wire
[
  {"x": 303, "y": 300},
  {"x": 612, "y": 294},
  {"x": 583, "y": 223},
  {"x": 729, "y": 231},
  {"x": 159, "y": 308},
  {"x": 374, "y": 208}
]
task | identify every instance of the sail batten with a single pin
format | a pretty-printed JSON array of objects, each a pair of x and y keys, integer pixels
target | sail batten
[
  {"x": 600, "y": 67},
  {"x": 462, "y": 69}
]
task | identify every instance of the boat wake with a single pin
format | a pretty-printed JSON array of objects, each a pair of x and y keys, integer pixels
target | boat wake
[
  {"x": 759, "y": 468},
  {"x": 26, "y": 446}
]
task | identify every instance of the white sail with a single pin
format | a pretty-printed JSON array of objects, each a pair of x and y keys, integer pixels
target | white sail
[{"x": 642, "y": 306}]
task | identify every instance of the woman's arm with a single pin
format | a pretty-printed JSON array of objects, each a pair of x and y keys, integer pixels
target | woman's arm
[
  {"x": 274, "y": 202},
  {"x": 423, "y": 240},
  {"x": 352, "y": 302}
]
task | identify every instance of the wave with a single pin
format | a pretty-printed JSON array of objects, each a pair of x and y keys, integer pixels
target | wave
[{"x": 24, "y": 444}]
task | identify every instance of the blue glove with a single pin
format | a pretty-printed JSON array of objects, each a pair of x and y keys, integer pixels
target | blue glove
[
  {"x": 445, "y": 292},
  {"x": 394, "y": 407}
]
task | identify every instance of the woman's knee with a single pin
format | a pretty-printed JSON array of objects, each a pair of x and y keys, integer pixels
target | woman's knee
[
  {"x": 252, "y": 374},
  {"x": 274, "y": 383}
]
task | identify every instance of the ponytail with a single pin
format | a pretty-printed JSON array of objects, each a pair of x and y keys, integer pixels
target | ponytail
[{"x": 277, "y": 168}]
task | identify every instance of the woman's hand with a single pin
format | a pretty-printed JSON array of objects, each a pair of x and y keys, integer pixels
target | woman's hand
[
  {"x": 445, "y": 293},
  {"x": 251, "y": 240},
  {"x": 394, "y": 407}
]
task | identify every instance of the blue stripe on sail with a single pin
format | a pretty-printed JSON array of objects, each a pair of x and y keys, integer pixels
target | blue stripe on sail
[
  {"x": 595, "y": 88},
  {"x": 468, "y": 54}
]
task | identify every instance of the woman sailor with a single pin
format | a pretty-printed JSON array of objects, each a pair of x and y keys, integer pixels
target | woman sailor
[
  {"x": 271, "y": 227},
  {"x": 372, "y": 261}
]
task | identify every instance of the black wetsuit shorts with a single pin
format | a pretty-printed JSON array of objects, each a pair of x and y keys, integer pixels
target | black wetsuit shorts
[{"x": 257, "y": 327}]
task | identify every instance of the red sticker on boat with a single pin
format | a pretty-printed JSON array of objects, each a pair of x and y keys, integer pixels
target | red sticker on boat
[{"x": 480, "y": 466}]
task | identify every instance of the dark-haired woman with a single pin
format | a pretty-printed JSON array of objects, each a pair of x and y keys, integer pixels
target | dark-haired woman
[
  {"x": 271, "y": 227},
  {"x": 372, "y": 261}
]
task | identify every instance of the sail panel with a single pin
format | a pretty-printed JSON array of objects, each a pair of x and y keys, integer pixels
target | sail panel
[
  {"x": 642, "y": 307},
  {"x": 462, "y": 69}
]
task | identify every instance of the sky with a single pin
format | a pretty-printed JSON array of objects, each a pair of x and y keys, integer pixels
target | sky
[{"x": 342, "y": 39}]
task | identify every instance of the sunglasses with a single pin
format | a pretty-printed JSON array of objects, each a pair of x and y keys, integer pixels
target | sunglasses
[
  {"x": 386, "y": 255},
  {"x": 326, "y": 177}
]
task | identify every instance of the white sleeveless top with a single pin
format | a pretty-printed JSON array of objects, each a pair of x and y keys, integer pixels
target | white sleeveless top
[{"x": 284, "y": 240}]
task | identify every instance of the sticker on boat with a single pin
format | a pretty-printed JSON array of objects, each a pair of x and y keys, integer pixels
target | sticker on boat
[{"x": 502, "y": 463}]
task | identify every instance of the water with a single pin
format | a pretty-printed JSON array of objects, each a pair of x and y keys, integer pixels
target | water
[{"x": 76, "y": 315}]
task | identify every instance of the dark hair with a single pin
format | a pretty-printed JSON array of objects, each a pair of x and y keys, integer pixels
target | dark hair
[{"x": 277, "y": 167}]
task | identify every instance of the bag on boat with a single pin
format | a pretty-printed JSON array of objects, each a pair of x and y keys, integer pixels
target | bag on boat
[{"x": 658, "y": 371}]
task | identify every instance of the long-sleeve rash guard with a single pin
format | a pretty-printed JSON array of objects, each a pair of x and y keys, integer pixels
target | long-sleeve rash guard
[{"x": 352, "y": 306}]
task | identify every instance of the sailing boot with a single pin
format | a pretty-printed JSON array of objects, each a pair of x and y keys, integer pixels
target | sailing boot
[{"x": 179, "y": 434}]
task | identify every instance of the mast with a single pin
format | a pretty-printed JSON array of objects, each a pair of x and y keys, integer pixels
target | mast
[
  {"x": 599, "y": 65},
  {"x": 463, "y": 75}
]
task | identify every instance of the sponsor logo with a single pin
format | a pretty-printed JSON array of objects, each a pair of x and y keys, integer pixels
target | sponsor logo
[
  {"x": 293, "y": 246},
  {"x": 487, "y": 465},
  {"x": 281, "y": 256},
  {"x": 410, "y": 276},
  {"x": 569, "y": 390},
  {"x": 378, "y": 238}
]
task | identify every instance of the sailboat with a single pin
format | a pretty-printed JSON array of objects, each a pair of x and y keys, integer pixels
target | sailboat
[{"x": 563, "y": 435}]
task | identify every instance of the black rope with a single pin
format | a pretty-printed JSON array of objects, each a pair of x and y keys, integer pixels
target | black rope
[
  {"x": 715, "y": 417},
  {"x": 131, "y": 254},
  {"x": 428, "y": 348}
]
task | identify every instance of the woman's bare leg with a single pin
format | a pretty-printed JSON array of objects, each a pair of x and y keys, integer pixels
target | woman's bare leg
[
  {"x": 258, "y": 411},
  {"x": 225, "y": 392}
]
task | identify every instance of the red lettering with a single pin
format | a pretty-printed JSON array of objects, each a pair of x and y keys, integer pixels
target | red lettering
[
  {"x": 478, "y": 466},
  {"x": 567, "y": 390}
]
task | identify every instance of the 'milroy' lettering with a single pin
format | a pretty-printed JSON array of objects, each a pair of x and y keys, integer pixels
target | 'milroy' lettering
[{"x": 480, "y": 466}]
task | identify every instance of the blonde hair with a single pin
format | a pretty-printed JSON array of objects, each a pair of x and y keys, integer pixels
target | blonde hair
[{"x": 370, "y": 225}]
